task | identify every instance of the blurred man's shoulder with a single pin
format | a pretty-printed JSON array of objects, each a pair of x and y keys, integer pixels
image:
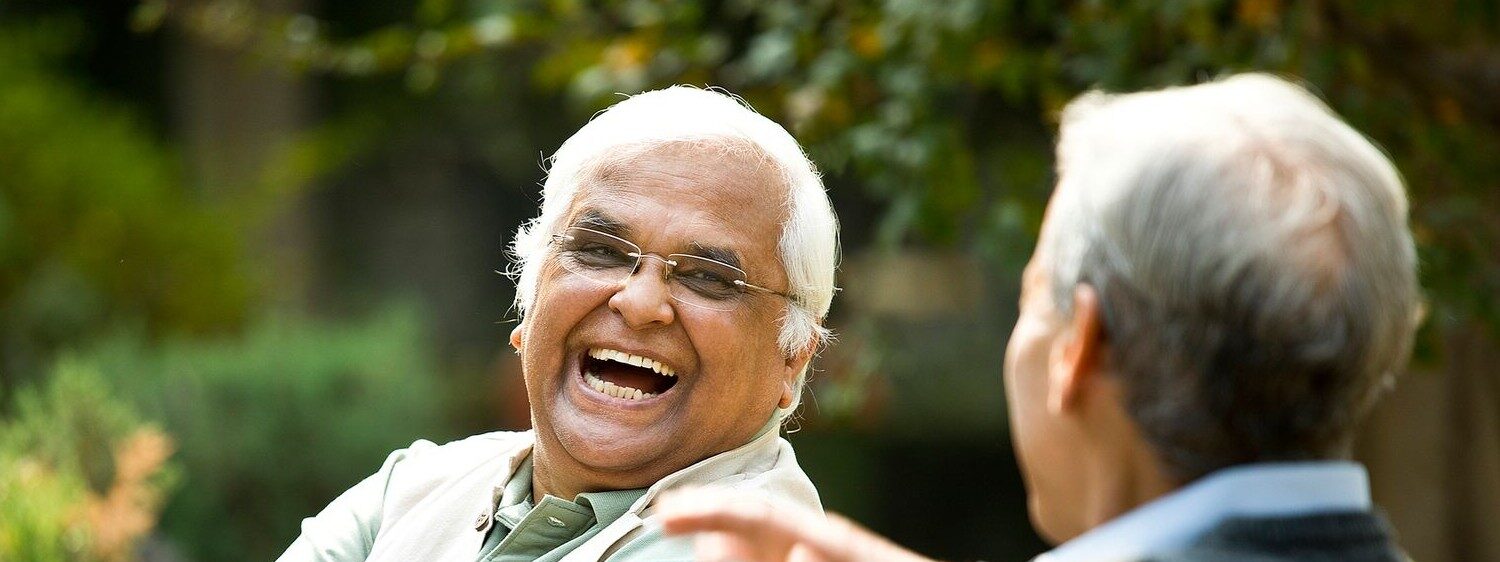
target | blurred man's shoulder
[{"x": 1354, "y": 536}]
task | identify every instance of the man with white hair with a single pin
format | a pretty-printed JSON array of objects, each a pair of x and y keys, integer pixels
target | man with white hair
[
  {"x": 672, "y": 292},
  {"x": 1224, "y": 284}
]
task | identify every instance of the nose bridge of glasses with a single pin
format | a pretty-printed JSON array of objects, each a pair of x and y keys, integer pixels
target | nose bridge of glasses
[{"x": 667, "y": 264}]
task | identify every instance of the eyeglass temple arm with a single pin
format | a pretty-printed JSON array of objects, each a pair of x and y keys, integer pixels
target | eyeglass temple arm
[{"x": 763, "y": 289}]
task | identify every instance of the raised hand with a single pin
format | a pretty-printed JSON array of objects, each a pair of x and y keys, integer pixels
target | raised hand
[{"x": 740, "y": 527}]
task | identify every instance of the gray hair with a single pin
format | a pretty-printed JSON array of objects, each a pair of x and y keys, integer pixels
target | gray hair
[
  {"x": 1255, "y": 270},
  {"x": 681, "y": 114}
]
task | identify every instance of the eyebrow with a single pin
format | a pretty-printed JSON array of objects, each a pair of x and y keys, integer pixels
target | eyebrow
[
  {"x": 597, "y": 220},
  {"x": 715, "y": 253}
]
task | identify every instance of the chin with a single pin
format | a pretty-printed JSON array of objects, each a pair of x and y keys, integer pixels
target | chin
[
  {"x": 637, "y": 453},
  {"x": 617, "y": 456}
]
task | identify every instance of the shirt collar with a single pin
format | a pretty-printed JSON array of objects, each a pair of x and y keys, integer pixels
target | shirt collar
[
  {"x": 518, "y": 489},
  {"x": 514, "y": 501},
  {"x": 609, "y": 506},
  {"x": 1256, "y": 490}
]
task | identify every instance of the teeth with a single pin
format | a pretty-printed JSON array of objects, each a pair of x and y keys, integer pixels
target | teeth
[
  {"x": 636, "y": 360},
  {"x": 615, "y": 390}
]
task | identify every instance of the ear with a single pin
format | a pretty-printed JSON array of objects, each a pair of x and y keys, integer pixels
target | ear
[
  {"x": 1074, "y": 358},
  {"x": 795, "y": 363},
  {"x": 515, "y": 336}
]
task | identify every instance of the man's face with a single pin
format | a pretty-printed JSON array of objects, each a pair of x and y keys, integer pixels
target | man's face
[
  {"x": 729, "y": 374},
  {"x": 1046, "y": 444}
]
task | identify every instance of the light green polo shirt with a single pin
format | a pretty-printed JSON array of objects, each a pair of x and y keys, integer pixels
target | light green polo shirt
[{"x": 549, "y": 530}]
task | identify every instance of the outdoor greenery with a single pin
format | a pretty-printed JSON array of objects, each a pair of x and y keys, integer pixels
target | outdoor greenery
[
  {"x": 103, "y": 246},
  {"x": 941, "y": 109},
  {"x": 275, "y": 422},
  {"x": 146, "y": 374},
  {"x": 96, "y": 227},
  {"x": 82, "y": 478}
]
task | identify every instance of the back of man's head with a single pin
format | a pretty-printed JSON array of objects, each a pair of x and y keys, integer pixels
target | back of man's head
[{"x": 1255, "y": 271}]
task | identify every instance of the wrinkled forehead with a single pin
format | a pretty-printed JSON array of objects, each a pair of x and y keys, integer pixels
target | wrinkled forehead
[
  {"x": 723, "y": 167},
  {"x": 709, "y": 175}
]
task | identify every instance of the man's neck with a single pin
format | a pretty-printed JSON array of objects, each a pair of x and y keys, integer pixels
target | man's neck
[
  {"x": 550, "y": 476},
  {"x": 565, "y": 480},
  {"x": 1124, "y": 483},
  {"x": 549, "y": 479}
]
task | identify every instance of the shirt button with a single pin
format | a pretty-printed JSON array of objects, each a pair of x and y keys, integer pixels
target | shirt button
[
  {"x": 482, "y": 521},
  {"x": 555, "y": 522}
]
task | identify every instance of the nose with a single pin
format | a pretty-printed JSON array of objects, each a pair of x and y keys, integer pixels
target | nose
[{"x": 644, "y": 299}]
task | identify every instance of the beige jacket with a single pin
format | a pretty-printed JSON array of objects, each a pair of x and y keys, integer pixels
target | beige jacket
[{"x": 431, "y": 502}]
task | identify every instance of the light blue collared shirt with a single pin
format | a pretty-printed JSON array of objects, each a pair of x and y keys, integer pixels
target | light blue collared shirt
[{"x": 1175, "y": 520}]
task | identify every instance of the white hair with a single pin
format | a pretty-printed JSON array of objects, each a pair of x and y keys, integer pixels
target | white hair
[
  {"x": 1253, "y": 261},
  {"x": 809, "y": 238}
]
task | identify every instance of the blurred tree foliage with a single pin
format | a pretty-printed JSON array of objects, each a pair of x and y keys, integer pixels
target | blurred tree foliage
[
  {"x": 82, "y": 478},
  {"x": 96, "y": 229},
  {"x": 276, "y": 422},
  {"x": 929, "y": 105},
  {"x": 142, "y": 285}
]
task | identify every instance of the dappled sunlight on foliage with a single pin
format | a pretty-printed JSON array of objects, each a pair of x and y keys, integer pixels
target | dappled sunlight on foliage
[
  {"x": 916, "y": 102},
  {"x": 168, "y": 374},
  {"x": 126, "y": 512},
  {"x": 81, "y": 479}
]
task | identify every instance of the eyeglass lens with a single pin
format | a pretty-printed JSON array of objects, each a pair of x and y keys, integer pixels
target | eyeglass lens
[{"x": 610, "y": 260}]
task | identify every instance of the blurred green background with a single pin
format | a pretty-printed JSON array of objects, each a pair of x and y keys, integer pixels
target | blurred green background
[{"x": 247, "y": 247}]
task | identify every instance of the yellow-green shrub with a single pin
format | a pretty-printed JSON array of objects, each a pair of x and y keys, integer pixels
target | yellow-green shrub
[{"x": 81, "y": 478}]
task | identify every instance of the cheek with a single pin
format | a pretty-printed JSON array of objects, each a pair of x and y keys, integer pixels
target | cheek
[
  {"x": 1012, "y": 355},
  {"x": 1026, "y": 386},
  {"x": 1025, "y": 362},
  {"x": 724, "y": 342},
  {"x": 561, "y": 303},
  {"x": 566, "y": 295},
  {"x": 741, "y": 348}
]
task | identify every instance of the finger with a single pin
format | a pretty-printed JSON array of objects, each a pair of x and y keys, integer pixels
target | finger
[
  {"x": 753, "y": 519},
  {"x": 721, "y": 547},
  {"x": 860, "y": 543},
  {"x": 734, "y": 513},
  {"x": 756, "y": 520}
]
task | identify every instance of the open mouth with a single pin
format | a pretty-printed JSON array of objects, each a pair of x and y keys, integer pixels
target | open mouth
[{"x": 622, "y": 375}]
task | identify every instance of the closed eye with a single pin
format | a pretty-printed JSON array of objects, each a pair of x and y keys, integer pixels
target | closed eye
[
  {"x": 706, "y": 280},
  {"x": 596, "y": 254},
  {"x": 600, "y": 250},
  {"x": 704, "y": 275}
]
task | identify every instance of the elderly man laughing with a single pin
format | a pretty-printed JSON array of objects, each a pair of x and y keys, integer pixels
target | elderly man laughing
[{"x": 672, "y": 290}]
